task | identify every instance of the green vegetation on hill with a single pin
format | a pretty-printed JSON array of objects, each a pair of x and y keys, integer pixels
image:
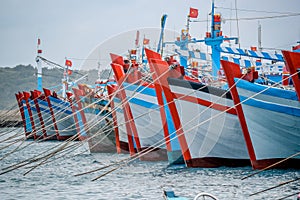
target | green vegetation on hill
[{"x": 23, "y": 78}]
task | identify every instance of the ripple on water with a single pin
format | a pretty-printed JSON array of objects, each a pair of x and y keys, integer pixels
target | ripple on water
[{"x": 137, "y": 180}]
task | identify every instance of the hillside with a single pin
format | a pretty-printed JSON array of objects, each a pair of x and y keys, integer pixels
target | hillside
[{"x": 23, "y": 78}]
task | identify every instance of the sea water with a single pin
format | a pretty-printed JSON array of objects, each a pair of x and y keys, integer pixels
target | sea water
[{"x": 135, "y": 180}]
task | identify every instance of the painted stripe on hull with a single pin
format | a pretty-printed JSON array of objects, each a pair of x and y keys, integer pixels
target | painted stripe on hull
[
  {"x": 273, "y": 134},
  {"x": 36, "y": 120},
  {"x": 65, "y": 123},
  {"x": 269, "y": 98},
  {"x": 47, "y": 118},
  {"x": 274, "y": 125},
  {"x": 145, "y": 101}
]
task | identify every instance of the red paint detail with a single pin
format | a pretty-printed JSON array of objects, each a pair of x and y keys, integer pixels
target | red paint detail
[
  {"x": 251, "y": 75},
  {"x": 117, "y": 59},
  {"x": 296, "y": 47},
  {"x": 161, "y": 68},
  {"x": 199, "y": 101},
  {"x": 39, "y": 51},
  {"x": 26, "y": 96},
  {"x": 208, "y": 35},
  {"x": 47, "y": 94},
  {"x": 80, "y": 93},
  {"x": 292, "y": 60},
  {"x": 21, "y": 108},
  {"x": 35, "y": 97},
  {"x": 213, "y": 162},
  {"x": 232, "y": 70},
  {"x": 111, "y": 89},
  {"x": 290, "y": 163},
  {"x": 75, "y": 109},
  {"x": 159, "y": 95},
  {"x": 217, "y": 18},
  {"x": 133, "y": 51},
  {"x": 130, "y": 124}
]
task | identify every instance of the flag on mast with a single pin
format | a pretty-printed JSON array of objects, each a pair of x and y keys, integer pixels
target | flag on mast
[
  {"x": 146, "y": 41},
  {"x": 68, "y": 63},
  {"x": 193, "y": 13}
]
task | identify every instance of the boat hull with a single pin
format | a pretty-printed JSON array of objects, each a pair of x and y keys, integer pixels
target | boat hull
[
  {"x": 211, "y": 127},
  {"x": 63, "y": 116},
  {"x": 147, "y": 120},
  {"x": 101, "y": 137},
  {"x": 47, "y": 118},
  {"x": 123, "y": 136},
  {"x": 146, "y": 113},
  {"x": 273, "y": 120}
]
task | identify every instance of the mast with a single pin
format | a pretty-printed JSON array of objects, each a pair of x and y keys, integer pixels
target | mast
[
  {"x": 214, "y": 39},
  {"x": 161, "y": 37},
  {"x": 259, "y": 37},
  {"x": 65, "y": 80},
  {"x": 39, "y": 66}
]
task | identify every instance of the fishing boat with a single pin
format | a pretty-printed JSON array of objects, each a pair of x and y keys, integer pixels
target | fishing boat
[
  {"x": 201, "y": 107},
  {"x": 149, "y": 117},
  {"x": 39, "y": 107},
  {"x": 96, "y": 119},
  {"x": 208, "y": 131},
  {"x": 148, "y": 132},
  {"x": 270, "y": 115}
]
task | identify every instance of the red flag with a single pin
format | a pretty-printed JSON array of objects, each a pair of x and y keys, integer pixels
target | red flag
[
  {"x": 69, "y": 72},
  {"x": 193, "y": 13},
  {"x": 68, "y": 63},
  {"x": 226, "y": 40},
  {"x": 146, "y": 41}
]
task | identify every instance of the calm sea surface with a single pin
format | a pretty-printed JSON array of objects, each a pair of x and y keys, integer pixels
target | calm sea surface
[{"x": 136, "y": 180}]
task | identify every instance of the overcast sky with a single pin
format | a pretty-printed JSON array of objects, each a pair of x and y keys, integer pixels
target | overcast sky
[{"x": 75, "y": 28}]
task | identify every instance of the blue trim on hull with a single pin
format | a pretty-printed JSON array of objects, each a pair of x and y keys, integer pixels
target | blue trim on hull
[{"x": 276, "y": 92}]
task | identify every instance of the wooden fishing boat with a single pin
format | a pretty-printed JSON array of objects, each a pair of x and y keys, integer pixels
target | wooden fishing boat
[
  {"x": 49, "y": 116},
  {"x": 154, "y": 129},
  {"x": 208, "y": 130},
  {"x": 270, "y": 116},
  {"x": 62, "y": 115},
  {"x": 96, "y": 120},
  {"x": 147, "y": 130}
]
